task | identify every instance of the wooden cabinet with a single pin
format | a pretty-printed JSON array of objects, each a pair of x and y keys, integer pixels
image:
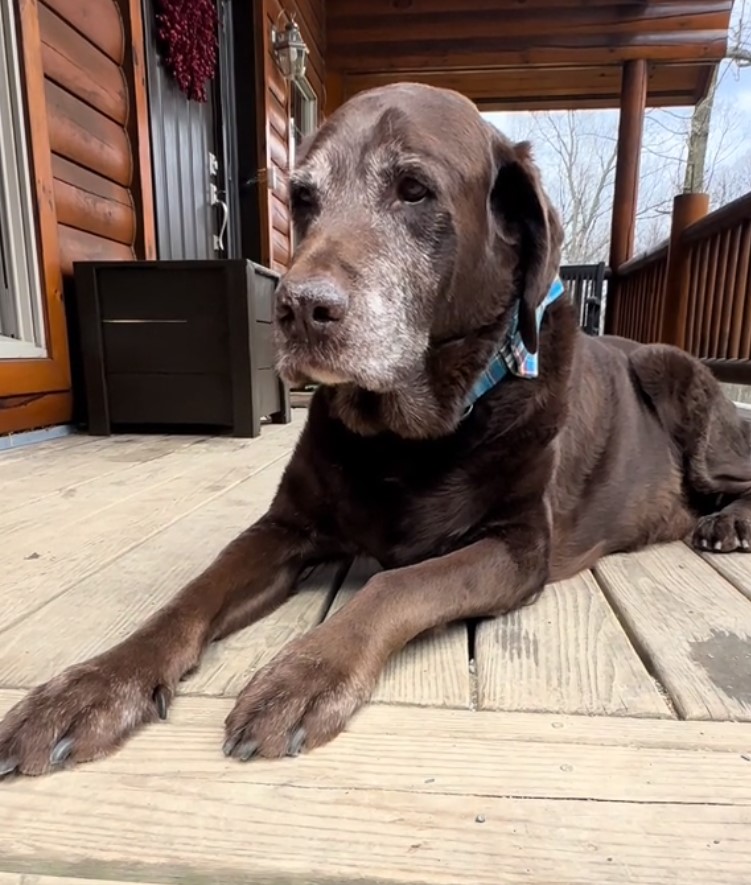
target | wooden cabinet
[{"x": 165, "y": 343}]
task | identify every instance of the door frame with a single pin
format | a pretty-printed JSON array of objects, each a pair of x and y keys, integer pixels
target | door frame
[
  {"x": 225, "y": 122},
  {"x": 49, "y": 374}
]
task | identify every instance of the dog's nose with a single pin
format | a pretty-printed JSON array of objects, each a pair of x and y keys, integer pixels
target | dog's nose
[{"x": 314, "y": 307}]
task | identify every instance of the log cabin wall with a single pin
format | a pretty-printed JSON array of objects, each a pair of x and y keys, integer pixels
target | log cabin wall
[
  {"x": 274, "y": 117},
  {"x": 89, "y": 148},
  {"x": 87, "y": 62}
]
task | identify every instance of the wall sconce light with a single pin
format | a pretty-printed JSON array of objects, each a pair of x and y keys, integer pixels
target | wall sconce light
[{"x": 290, "y": 51}]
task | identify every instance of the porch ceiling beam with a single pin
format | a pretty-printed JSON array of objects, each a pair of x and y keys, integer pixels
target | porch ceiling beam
[
  {"x": 547, "y": 88},
  {"x": 554, "y": 50},
  {"x": 630, "y": 129},
  {"x": 370, "y": 36}
]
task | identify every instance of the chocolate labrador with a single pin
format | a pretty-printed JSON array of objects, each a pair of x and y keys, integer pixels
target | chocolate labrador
[{"x": 466, "y": 434}]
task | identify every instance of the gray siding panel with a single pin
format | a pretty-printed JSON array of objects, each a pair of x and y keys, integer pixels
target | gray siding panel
[{"x": 181, "y": 138}]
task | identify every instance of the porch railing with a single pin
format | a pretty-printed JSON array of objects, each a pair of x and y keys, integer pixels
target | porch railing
[
  {"x": 640, "y": 296},
  {"x": 719, "y": 295},
  {"x": 695, "y": 291}
]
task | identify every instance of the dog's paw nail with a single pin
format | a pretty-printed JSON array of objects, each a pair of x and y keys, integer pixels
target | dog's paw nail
[
  {"x": 61, "y": 751},
  {"x": 704, "y": 544},
  {"x": 745, "y": 545},
  {"x": 296, "y": 743},
  {"x": 161, "y": 699},
  {"x": 7, "y": 766},
  {"x": 718, "y": 545},
  {"x": 228, "y": 747},
  {"x": 246, "y": 751}
]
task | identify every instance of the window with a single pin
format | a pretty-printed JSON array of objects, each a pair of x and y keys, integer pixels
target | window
[
  {"x": 304, "y": 115},
  {"x": 303, "y": 121},
  {"x": 21, "y": 313}
]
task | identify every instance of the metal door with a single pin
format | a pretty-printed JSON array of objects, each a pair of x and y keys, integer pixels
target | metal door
[{"x": 190, "y": 202}]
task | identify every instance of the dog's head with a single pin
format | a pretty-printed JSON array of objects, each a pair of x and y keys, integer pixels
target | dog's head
[{"x": 419, "y": 227}]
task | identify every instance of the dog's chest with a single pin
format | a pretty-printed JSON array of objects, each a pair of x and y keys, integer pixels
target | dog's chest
[{"x": 400, "y": 502}]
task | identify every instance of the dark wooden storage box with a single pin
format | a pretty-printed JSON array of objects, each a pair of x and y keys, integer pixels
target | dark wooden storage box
[{"x": 178, "y": 343}]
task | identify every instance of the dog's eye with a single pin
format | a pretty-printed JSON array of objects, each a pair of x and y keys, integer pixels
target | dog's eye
[
  {"x": 410, "y": 190},
  {"x": 302, "y": 197}
]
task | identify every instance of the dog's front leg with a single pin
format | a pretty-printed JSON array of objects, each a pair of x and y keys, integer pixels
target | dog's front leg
[
  {"x": 88, "y": 710},
  {"x": 305, "y": 696}
]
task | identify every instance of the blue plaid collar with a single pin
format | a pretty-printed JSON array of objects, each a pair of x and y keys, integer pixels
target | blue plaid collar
[{"x": 512, "y": 355}]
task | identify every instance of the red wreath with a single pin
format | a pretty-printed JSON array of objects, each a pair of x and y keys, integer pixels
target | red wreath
[{"x": 187, "y": 35}]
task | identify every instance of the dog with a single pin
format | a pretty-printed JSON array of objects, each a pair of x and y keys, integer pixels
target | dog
[{"x": 464, "y": 433}]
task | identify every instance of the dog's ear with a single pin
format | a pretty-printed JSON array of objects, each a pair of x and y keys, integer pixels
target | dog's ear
[{"x": 519, "y": 204}]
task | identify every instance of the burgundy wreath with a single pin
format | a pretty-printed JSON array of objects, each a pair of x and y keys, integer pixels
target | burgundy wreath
[{"x": 186, "y": 33}]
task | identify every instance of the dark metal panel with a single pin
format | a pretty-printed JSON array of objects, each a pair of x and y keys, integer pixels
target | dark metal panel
[
  {"x": 225, "y": 96},
  {"x": 182, "y": 135},
  {"x": 585, "y": 283}
]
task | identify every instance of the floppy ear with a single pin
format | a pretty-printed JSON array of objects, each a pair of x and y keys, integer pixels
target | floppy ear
[{"x": 519, "y": 203}]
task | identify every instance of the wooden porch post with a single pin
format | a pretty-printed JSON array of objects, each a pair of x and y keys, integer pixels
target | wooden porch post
[
  {"x": 630, "y": 128},
  {"x": 687, "y": 208},
  {"x": 626, "y": 192}
]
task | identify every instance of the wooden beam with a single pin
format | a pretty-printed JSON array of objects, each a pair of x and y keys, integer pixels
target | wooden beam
[
  {"x": 630, "y": 128},
  {"x": 31, "y": 411},
  {"x": 139, "y": 128},
  {"x": 700, "y": 46},
  {"x": 541, "y": 87}
]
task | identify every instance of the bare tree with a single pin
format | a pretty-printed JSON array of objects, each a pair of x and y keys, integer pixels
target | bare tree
[
  {"x": 682, "y": 149},
  {"x": 738, "y": 56},
  {"x": 577, "y": 153}
]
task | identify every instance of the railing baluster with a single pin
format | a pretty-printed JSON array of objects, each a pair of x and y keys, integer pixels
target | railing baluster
[
  {"x": 743, "y": 293},
  {"x": 701, "y": 301},
  {"x": 721, "y": 297},
  {"x": 740, "y": 294},
  {"x": 713, "y": 249}
]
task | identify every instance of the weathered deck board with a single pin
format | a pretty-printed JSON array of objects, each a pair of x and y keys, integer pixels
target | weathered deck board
[
  {"x": 171, "y": 792},
  {"x": 567, "y": 653},
  {"x": 104, "y": 607},
  {"x": 487, "y": 762},
  {"x": 40, "y": 450},
  {"x": 229, "y": 665},
  {"x": 26, "y": 477},
  {"x": 184, "y": 829},
  {"x": 84, "y": 501},
  {"x": 694, "y": 626},
  {"x": 735, "y": 567},
  {"x": 48, "y": 561},
  {"x": 431, "y": 671},
  {"x": 413, "y": 723},
  {"x": 22, "y": 879}
]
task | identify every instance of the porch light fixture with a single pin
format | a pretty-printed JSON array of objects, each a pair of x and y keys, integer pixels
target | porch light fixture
[{"x": 290, "y": 51}]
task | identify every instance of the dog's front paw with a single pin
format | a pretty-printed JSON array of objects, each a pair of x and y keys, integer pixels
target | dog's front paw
[
  {"x": 723, "y": 532},
  {"x": 81, "y": 715},
  {"x": 300, "y": 700}
]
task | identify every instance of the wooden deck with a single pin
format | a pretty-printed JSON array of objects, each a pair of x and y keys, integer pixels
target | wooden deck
[{"x": 584, "y": 739}]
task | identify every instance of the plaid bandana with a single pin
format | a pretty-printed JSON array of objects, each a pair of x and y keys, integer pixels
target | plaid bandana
[{"x": 513, "y": 356}]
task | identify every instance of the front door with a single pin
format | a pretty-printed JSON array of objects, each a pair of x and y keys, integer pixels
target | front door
[{"x": 195, "y": 218}]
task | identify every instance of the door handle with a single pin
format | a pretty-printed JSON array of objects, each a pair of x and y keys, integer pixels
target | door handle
[{"x": 217, "y": 201}]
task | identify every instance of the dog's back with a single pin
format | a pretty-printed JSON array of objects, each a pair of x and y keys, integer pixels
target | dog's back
[{"x": 649, "y": 445}]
